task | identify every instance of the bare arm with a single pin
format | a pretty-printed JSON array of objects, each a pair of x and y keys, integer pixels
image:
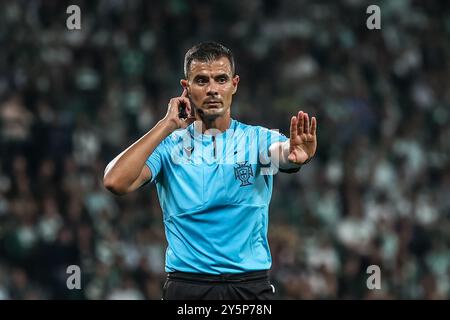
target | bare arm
[{"x": 127, "y": 171}]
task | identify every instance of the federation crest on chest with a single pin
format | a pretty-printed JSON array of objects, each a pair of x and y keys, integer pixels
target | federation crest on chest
[{"x": 243, "y": 172}]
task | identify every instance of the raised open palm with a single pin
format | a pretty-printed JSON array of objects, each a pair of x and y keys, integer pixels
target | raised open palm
[{"x": 303, "y": 140}]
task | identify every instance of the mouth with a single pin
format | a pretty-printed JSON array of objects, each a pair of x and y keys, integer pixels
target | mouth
[{"x": 213, "y": 104}]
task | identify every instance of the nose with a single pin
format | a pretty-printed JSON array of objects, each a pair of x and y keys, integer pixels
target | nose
[{"x": 212, "y": 90}]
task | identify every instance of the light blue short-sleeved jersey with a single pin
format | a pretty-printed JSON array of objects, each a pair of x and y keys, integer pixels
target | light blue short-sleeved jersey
[{"x": 214, "y": 192}]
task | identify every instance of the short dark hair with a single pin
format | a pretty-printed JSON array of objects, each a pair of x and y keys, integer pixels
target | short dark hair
[{"x": 207, "y": 52}]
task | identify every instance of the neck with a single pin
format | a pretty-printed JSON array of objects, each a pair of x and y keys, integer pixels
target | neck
[{"x": 219, "y": 123}]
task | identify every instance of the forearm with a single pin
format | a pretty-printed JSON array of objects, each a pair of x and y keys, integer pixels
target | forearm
[
  {"x": 124, "y": 169},
  {"x": 279, "y": 153}
]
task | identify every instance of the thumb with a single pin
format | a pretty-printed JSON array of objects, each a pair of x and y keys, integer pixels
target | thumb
[
  {"x": 190, "y": 120},
  {"x": 291, "y": 157},
  {"x": 186, "y": 122}
]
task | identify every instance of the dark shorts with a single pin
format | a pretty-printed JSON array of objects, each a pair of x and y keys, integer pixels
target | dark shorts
[{"x": 243, "y": 286}]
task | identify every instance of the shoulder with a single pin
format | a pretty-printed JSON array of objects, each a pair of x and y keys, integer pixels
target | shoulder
[
  {"x": 171, "y": 141},
  {"x": 258, "y": 130},
  {"x": 176, "y": 137},
  {"x": 249, "y": 129}
]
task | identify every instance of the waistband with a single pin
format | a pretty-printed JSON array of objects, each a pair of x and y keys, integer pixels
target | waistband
[{"x": 219, "y": 278}]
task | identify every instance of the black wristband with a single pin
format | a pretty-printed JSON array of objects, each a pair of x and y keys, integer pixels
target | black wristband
[{"x": 308, "y": 160}]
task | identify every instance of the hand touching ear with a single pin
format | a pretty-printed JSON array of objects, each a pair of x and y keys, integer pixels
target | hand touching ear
[{"x": 174, "y": 108}]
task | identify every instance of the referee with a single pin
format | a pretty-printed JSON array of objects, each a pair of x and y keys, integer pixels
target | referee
[{"x": 214, "y": 178}]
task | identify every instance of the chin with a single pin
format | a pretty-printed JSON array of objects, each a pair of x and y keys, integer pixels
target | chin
[{"x": 213, "y": 113}]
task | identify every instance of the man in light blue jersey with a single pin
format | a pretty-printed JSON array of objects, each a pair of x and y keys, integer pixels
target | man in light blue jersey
[{"x": 214, "y": 178}]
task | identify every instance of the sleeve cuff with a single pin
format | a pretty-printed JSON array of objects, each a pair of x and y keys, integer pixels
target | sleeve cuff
[
  {"x": 152, "y": 170},
  {"x": 293, "y": 170}
]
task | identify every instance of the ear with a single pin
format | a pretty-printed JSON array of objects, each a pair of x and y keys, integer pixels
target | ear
[
  {"x": 184, "y": 83},
  {"x": 235, "y": 82}
]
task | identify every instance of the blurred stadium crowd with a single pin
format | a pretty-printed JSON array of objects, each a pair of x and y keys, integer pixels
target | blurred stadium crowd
[{"x": 378, "y": 191}]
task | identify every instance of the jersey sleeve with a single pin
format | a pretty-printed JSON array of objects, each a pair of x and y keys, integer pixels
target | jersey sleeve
[
  {"x": 268, "y": 137},
  {"x": 155, "y": 160}
]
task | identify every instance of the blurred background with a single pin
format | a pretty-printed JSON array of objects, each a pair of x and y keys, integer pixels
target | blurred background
[{"x": 378, "y": 191}]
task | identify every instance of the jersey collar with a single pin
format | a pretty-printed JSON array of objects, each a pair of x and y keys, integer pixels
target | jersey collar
[{"x": 196, "y": 135}]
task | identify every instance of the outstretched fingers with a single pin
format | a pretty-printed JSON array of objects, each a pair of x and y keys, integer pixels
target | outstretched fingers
[
  {"x": 305, "y": 123},
  {"x": 300, "y": 122},
  {"x": 313, "y": 126},
  {"x": 293, "y": 130}
]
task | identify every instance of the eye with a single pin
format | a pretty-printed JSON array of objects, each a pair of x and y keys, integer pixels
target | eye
[
  {"x": 222, "y": 79},
  {"x": 201, "y": 81}
]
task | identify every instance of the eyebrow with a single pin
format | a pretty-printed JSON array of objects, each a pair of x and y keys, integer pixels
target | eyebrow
[
  {"x": 200, "y": 76},
  {"x": 222, "y": 75},
  {"x": 203, "y": 76}
]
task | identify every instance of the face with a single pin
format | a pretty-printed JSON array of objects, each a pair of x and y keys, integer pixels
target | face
[{"x": 211, "y": 86}]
